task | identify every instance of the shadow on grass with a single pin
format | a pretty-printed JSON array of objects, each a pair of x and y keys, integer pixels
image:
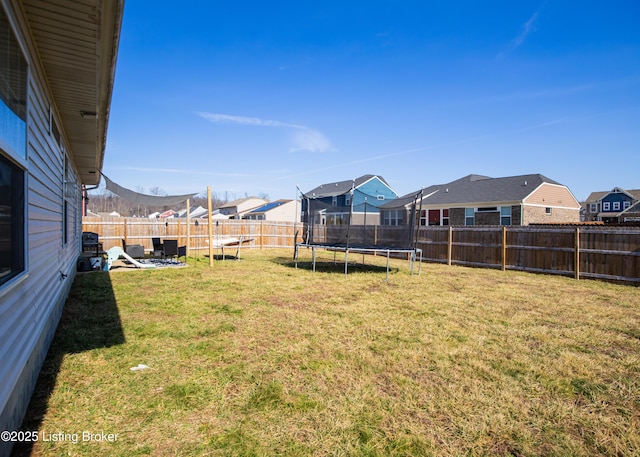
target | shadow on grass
[
  {"x": 329, "y": 266},
  {"x": 90, "y": 320}
]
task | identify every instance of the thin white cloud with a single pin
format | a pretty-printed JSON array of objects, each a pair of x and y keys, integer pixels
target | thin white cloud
[
  {"x": 525, "y": 30},
  {"x": 302, "y": 138}
]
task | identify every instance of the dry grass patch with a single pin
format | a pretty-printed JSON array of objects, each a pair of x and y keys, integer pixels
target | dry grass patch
[{"x": 257, "y": 358}]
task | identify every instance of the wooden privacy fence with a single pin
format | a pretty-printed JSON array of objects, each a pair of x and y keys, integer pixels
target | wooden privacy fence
[
  {"x": 133, "y": 230},
  {"x": 600, "y": 252}
]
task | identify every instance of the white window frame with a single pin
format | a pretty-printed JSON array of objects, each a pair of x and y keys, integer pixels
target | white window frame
[
  {"x": 18, "y": 160},
  {"x": 469, "y": 216},
  {"x": 505, "y": 213},
  {"x": 616, "y": 206},
  {"x": 606, "y": 206}
]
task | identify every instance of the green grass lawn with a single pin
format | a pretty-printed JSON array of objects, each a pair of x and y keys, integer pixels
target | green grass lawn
[{"x": 257, "y": 358}]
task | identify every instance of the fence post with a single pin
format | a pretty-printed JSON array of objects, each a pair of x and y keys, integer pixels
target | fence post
[
  {"x": 576, "y": 260},
  {"x": 504, "y": 247},
  {"x": 261, "y": 234},
  {"x": 450, "y": 246},
  {"x": 124, "y": 231},
  {"x": 210, "y": 224}
]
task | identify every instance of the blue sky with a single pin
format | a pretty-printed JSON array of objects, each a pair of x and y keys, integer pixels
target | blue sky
[{"x": 261, "y": 97}]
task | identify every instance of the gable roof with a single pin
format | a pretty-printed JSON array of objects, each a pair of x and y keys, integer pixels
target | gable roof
[
  {"x": 240, "y": 201},
  {"x": 341, "y": 187},
  {"x": 599, "y": 195},
  {"x": 269, "y": 206},
  {"x": 477, "y": 188}
]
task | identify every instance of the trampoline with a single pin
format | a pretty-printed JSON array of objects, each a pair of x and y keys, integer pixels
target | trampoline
[{"x": 349, "y": 220}]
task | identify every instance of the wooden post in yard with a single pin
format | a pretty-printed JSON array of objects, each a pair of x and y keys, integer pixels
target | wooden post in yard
[
  {"x": 261, "y": 233},
  {"x": 124, "y": 234},
  {"x": 450, "y": 246},
  {"x": 188, "y": 226},
  {"x": 209, "y": 207},
  {"x": 504, "y": 247},
  {"x": 576, "y": 259}
]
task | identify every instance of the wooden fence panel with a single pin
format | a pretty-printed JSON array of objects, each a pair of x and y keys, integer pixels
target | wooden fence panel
[
  {"x": 434, "y": 242},
  {"x": 610, "y": 253},
  {"x": 541, "y": 250},
  {"x": 477, "y": 246}
]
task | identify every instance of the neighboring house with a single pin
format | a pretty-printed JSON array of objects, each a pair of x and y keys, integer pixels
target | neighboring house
[
  {"x": 238, "y": 208},
  {"x": 617, "y": 205},
  {"x": 480, "y": 200},
  {"x": 332, "y": 203},
  {"x": 201, "y": 213},
  {"x": 57, "y": 64},
  {"x": 111, "y": 214},
  {"x": 279, "y": 210}
]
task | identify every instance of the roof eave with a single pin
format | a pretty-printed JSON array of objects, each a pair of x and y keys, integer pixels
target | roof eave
[{"x": 78, "y": 60}]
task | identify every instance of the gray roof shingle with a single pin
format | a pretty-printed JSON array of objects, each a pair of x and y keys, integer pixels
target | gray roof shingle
[
  {"x": 340, "y": 187},
  {"x": 476, "y": 189}
]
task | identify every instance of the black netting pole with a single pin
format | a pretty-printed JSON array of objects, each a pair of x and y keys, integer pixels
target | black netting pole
[
  {"x": 350, "y": 212},
  {"x": 415, "y": 239}
]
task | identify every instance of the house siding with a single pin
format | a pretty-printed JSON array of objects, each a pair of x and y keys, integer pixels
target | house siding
[
  {"x": 550, "y": 195},
  {"x": 370, "y": 191},
  {"x": 31, "y": 304}
]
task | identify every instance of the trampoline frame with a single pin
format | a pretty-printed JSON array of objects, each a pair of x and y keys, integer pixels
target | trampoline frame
[{"x": 413, "y": 254}]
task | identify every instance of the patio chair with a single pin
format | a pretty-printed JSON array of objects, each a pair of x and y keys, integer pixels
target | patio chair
[
  {"x": 172, "y": 250},
  {"x": 157, "y": 247},
  {"x": 133, "y": 250}
]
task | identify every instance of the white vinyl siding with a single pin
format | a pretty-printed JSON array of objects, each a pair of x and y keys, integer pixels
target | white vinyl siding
[{"x": 31, "y": 305}]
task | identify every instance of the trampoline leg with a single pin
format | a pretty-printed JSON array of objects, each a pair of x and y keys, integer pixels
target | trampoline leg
[
  {"x": 346, "y": 261},
  {"x": 387, "y": 266},
  {"x": 412, "y": 258},
  {"x": 313, "y": 249}
]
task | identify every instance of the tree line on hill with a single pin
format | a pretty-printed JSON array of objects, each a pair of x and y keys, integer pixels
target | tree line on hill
[{"x": 104, "y": 201}]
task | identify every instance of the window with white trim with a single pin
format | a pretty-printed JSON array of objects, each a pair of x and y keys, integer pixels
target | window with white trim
[
  {"x": 393, "y": 217},
  {"x": 593, "y": 207},
  {"x": 505, "y": 215},
  {"x": 469, "y": 216},
  {"x": 616, "y": 206},
  {"x": 606, "y": 206},
  {"x": 13, "y": 152},
  {"x": 423, "y": 217},
  {"x": 13, "y": 92},
  {"x": 445, "y": 217},
  {"x": 626, "y": 205}
]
